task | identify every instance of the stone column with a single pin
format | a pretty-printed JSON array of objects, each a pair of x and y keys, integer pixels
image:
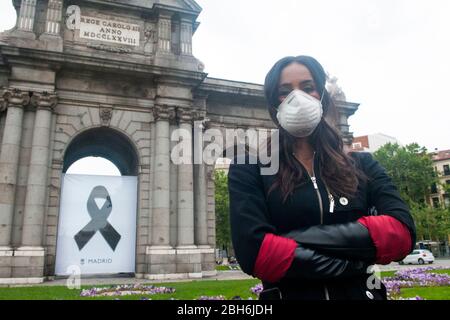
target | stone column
[
  {"x": 54, "y": 17},
  {"x": 164, "y": 33},
  {"x": 186, "y": 37},
  {"x": 200, "y": 187},
  {"x": 27, "y": 13},
  {"x": 209, "y": 255},
  {"x": 161, "y": 188},
  {"x": 206, "y": 251},
  {"x": 161, "y": 262},
  {"x": 188, "y": 256},
  {"x": 35, "y": 199},
  {"x": 186, "y": 183},
  {"x": 211, "y": 204},
  {"x": 173, "y": 189},
  {"x": 9, "y": 159}
]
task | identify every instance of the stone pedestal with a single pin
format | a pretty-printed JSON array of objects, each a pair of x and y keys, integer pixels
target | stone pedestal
[
  {"x": 172, "y": 264},
  {"x": 6, "y": 256},
  {"x": 208, "y": 259},
  {"x": 24, "y": 265},
  {"x": 28, "y": 263},
  {"x": 160, "y": 262},
  {"x": 189, "y": 262}
]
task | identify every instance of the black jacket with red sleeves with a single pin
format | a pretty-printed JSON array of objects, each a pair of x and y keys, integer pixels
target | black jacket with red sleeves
[{"x": 317, "y": 245}]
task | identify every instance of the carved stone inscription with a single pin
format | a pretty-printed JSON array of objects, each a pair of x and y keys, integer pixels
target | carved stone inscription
[{"x": 103, "y": 30}]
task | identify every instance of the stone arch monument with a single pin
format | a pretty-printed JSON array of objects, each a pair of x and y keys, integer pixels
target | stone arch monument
[{"x": 112, "y": 78}]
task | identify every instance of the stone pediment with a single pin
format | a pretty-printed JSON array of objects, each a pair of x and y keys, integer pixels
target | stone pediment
[
  {"x": 180, "y": 4},
  {"x": 148, "y": 32}
]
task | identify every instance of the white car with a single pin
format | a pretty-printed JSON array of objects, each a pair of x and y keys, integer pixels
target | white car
[{"x": 418, "y": 256}]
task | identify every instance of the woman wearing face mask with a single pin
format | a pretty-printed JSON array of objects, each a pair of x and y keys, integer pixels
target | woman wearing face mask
[{"x": 309, "y": 231}]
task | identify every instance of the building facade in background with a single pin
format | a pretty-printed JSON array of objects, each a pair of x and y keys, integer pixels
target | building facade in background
[
  {"x": 440, "y": 196},
  {"x": 112, "y": 79},
  {"x": 371, "y": 143}
]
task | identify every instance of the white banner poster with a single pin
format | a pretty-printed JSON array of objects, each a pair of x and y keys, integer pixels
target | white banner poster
[{"x": 97, "y": 225}]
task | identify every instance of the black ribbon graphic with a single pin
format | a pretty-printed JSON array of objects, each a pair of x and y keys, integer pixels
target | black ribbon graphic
[{"x": 99, "y": 221}]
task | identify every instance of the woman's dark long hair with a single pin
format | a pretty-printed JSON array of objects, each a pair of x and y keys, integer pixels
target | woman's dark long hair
[{"x": 337, "y": 168}]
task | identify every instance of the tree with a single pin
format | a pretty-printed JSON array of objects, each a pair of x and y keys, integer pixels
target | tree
[
  {"x": 411, "y": 169},
  {"x": 223, "y": 233},
  {"x": 431, "y": 223}
]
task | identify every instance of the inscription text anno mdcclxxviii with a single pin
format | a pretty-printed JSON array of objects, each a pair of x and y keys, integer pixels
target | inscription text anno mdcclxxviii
[{"x": 109, "y": 31}]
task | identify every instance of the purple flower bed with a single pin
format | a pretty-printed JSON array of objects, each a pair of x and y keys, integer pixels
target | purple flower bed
[
  {"x": 211, "y": 298},
  {"x": 257, "y": 289},
  {"x": 125, "y": 290},
  {"x": 416, "y": 277},
  {"x": 415, "y": 298},
  {"x": 408, "y": 278},
  {"x": 221, "y": 298}
]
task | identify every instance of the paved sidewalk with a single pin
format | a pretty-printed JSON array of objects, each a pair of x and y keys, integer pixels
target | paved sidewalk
[{"x": 221, "y": 275}]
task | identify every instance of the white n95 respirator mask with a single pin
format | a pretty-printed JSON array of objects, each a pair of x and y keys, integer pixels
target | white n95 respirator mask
[{"x": 300, "y": 114}]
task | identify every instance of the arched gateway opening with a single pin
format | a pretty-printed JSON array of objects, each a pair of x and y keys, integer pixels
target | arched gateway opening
[
  {"x": 97, "y": 224},
  {"x": 106, "y": 143}
]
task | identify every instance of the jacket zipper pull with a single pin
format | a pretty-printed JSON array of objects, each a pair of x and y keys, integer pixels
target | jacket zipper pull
[
  {"x": 330, "y": 196},
  {"x": 313, "y": 179}
]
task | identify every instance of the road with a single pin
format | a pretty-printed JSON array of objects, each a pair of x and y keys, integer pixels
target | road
[{"x": 395, "y": 266}]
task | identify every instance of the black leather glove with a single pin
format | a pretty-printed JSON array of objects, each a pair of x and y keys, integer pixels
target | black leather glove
[
  {"x": 310, "y": 264},
  {"x": 347, "y": 240}
]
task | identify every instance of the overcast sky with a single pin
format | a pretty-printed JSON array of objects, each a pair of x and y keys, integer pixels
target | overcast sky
[{"x": 391, "y": 56}]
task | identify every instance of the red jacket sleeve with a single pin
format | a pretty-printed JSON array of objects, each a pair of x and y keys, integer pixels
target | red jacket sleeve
[
  {"x": 391, "y": 238},
  {"x": 274, "y": 258}
]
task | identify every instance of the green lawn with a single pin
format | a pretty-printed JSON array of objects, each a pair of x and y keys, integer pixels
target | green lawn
[
  {"x": 447, "y": 271},
  {"x": 222, "y": 268},
  {"x": 428, "y": 293},
  {"x": 192, "y": 290},
  {"x": 385, "y": 274},
  {"x": 184, "y": 291}
]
